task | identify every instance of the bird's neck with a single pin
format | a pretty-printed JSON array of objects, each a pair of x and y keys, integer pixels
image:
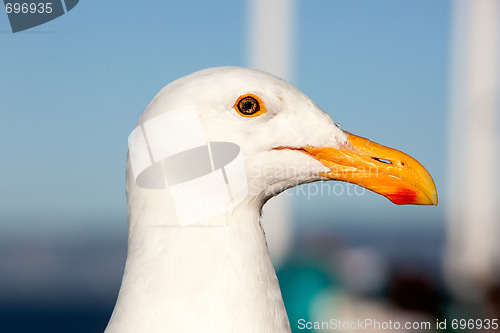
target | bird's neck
[{"x": 214, "y": 279}]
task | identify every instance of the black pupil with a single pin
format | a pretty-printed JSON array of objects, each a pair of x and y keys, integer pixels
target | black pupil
[{"x": 248, "y": 105}]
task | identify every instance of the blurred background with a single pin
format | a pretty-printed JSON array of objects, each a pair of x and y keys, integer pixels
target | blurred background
[{"x": 419, "y": 75}]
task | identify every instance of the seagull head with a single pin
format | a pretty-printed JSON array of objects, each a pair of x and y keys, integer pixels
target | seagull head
[
  {"x": 204, "y": 157},
  {"x": 284, "y": 139}
]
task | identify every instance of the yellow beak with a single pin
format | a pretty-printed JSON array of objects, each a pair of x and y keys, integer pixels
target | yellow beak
[{"x": 383, "y": 170}]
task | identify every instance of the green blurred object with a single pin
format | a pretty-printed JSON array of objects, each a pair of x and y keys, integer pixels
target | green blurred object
[{"x": 300, "y": 282}]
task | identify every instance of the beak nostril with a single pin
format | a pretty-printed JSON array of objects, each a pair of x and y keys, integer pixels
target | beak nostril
[{"x": 381, "y": 160}]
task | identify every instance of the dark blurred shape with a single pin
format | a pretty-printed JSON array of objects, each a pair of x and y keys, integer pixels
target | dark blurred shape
[
  {"x": 412, "y": 290},
  {"x": 493, "y": 295}
]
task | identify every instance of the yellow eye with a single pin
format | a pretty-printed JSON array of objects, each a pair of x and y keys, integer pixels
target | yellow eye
[{"x": 249, "y": 105}]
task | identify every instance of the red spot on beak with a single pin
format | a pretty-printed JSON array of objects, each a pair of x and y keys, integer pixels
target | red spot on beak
[{"x": 403, "y": 197}]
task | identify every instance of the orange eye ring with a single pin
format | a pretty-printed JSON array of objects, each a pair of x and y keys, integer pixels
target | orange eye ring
[{"x": 249, "y": 106}]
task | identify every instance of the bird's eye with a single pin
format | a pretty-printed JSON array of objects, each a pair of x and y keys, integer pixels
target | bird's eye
[{"x": 249, "y": 105}]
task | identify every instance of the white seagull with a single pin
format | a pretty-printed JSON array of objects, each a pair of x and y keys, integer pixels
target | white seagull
[{"x": 195, "y": 268}]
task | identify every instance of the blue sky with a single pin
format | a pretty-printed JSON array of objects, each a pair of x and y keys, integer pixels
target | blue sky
[{"x": 71, "y": 91}]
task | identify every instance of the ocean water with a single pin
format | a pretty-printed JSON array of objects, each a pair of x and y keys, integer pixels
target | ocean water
[{"x": 54, "y": 319}]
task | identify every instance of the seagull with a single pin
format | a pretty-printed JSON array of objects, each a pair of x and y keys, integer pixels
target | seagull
[{"x": 194, "y": 268}]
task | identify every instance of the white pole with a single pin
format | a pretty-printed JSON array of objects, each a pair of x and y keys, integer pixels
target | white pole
[
  {"x": 271, "y": 49},
  {"x": 474, "y": 202}
]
